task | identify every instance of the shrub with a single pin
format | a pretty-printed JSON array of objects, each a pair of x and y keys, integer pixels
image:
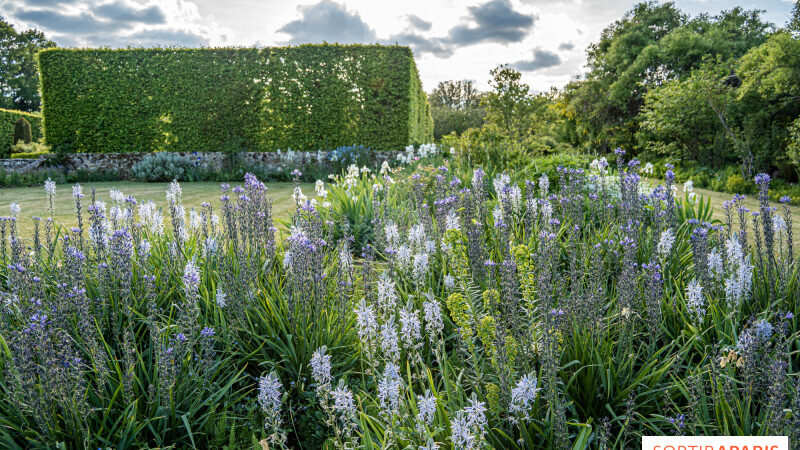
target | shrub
[
  {"x": 162, "y": 166},
  {"x": 320, "y": 96},
  {"x": 22, "y": 131},
  {"x": 8, "y": 121},
  {"x": 737, "y": 183}
]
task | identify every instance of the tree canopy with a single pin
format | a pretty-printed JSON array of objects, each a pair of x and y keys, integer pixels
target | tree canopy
[{"x": 19, "y": 79}]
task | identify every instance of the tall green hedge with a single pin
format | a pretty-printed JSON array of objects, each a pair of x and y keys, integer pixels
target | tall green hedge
[
  {"x": 7, "y": 119},
  {"x": 308, "y": 97}
]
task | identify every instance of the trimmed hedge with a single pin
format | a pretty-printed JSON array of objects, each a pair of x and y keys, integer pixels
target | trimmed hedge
[
  {"x": 7, "y": 119},
  {"x": 308, "y": 97}
]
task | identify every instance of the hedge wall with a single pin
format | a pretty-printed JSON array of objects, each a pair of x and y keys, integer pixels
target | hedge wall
[
  {"x": 7, "y": 119},
  {"x": 308, "y": 97}
]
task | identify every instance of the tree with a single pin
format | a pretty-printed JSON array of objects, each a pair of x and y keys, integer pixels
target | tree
[
  {"x": 460, "y": 95},
  {"x": 455, "y": 107},
  {"x": 769, "y": 97},
  {"x": 650, "y": 46},
  {"x": 794, "y": 20},
  {"x": 507, "y": 105},
  {"x": 19, "y": 79}
]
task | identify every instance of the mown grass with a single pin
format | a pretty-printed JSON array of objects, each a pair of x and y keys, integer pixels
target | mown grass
[{"x": 33, "y": 200}]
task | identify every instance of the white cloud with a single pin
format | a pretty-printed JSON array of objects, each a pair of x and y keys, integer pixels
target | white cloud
[{"x": 116, "y": 23}]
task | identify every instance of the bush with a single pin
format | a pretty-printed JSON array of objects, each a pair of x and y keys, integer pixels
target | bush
[
  {"x": 8, "y": 120},
  {"x": 737, "y": 183},
  {"x": 162, "y": 166},
  {"x": 320, "y": 97},
  {"x": 447, "y": 120}
]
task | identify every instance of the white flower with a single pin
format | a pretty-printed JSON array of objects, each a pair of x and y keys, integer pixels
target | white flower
[
  {"x": 195, "y": 220},
  {"x": 321, "y": 366},
  {"x": 15, "y": 209},
  {"x": 297, "y": 195},
  {"x": 544, "y": 184},
  {"x": 715, "y": 264},
  {"x": 497, "y": 215},
  {"x": 385, "y": 168},
  {"x": 144, "y": 249},
  {"x": 778, "y": 223},
  {"x": 389, "y": 344},
  {"x": 664, "y": 246},
  {"x": 191, "y": 279},
  {"x": 694, "y": 301},
  {"x": 392, "y": 234},
  {"x": 452, "y": 222},
  {"x": 648, "y": 168},
  {"x": 426, "y": 404},
  {"x": 410, "y": 327},
  {"x": 367, "y": 324},
  {"x": 416, "y": 235},
  {"x": 449, "y": 282},
  {"x": 343, "y": 400},
  {"x": 459, "y": 431},
  {"x": 116, "y": 195},
  {"x": 174, "y": 192},
  {"x": 222, "y": 298},
  {"x": 269, "y": 392},
  {"x": 77, "y": 192},
  {"x": 688, "y": 186},
  {"x": 524, "y": 395},
  {"x": 387, "y": 297},
  {"x": 420, "y": 268},
  {"x": 434, "y": 325},
  {"x": 319, "y": 187},
  {"x": 600, "y": 166},
  {"x": 50, "y": 187},
  {"x": 389, "y": 390}
]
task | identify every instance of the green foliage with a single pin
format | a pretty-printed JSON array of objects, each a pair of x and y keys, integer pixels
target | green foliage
[
  {"x": 19, "y": 82},
  {"x": 679, "y": 119},
  {"x": 162, "y": 166},
  {"x": 22, "y": 131},
  {"x": 8, "y": 121},
  {"x": 447, "y": 120},
  {"x": 29, "y": 150},
  {"x": 653, "y": 44},
  {"x": 767, "y": 99},
  {"x": 455, "y": 107},
  {"x": 737, "y": 183},
  {"x": 308, "y": 97}
]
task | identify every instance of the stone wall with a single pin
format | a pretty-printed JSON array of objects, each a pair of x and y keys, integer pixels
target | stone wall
[{"x": 122, "y": 162}]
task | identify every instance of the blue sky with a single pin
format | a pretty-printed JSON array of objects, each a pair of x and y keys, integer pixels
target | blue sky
[{"x": 452, "y": 39}]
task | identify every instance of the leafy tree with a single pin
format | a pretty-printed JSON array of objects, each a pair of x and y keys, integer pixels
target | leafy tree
[
  {"x": 769, "y": 97},
  {"x": 690, "y": 119},
  {"x": 19, "y": 80},
  {"x": 794, "y": 20},
  {"x": 455, "y": 107},
  {"x": 459, "y": 95},
  {"x": 651, "y": 45},
  {"x": 508, "y": 105}
]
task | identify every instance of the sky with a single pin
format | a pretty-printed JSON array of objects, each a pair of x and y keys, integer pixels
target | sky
[{"x": 544, "y": 39}]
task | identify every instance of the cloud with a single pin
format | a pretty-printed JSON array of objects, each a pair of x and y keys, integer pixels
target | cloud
[
  {"x": 566, "y": 46},
  {"x": 418, "y": 22},
  {"x": 120, "y": 11},
  {"x": 495, "y": 21},
  {"x": 116, "y": 23},
  {"x": 542, "y": 59},
  {"x": 421, "y": 44},
  {"x": 328, "y": 21}
]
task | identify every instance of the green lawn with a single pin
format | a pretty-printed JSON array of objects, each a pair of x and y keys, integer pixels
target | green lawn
[{"x": 33, "y": 200}]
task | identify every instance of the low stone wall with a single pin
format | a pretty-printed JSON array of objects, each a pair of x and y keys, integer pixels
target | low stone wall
[{"x": 123, "y": 162}]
